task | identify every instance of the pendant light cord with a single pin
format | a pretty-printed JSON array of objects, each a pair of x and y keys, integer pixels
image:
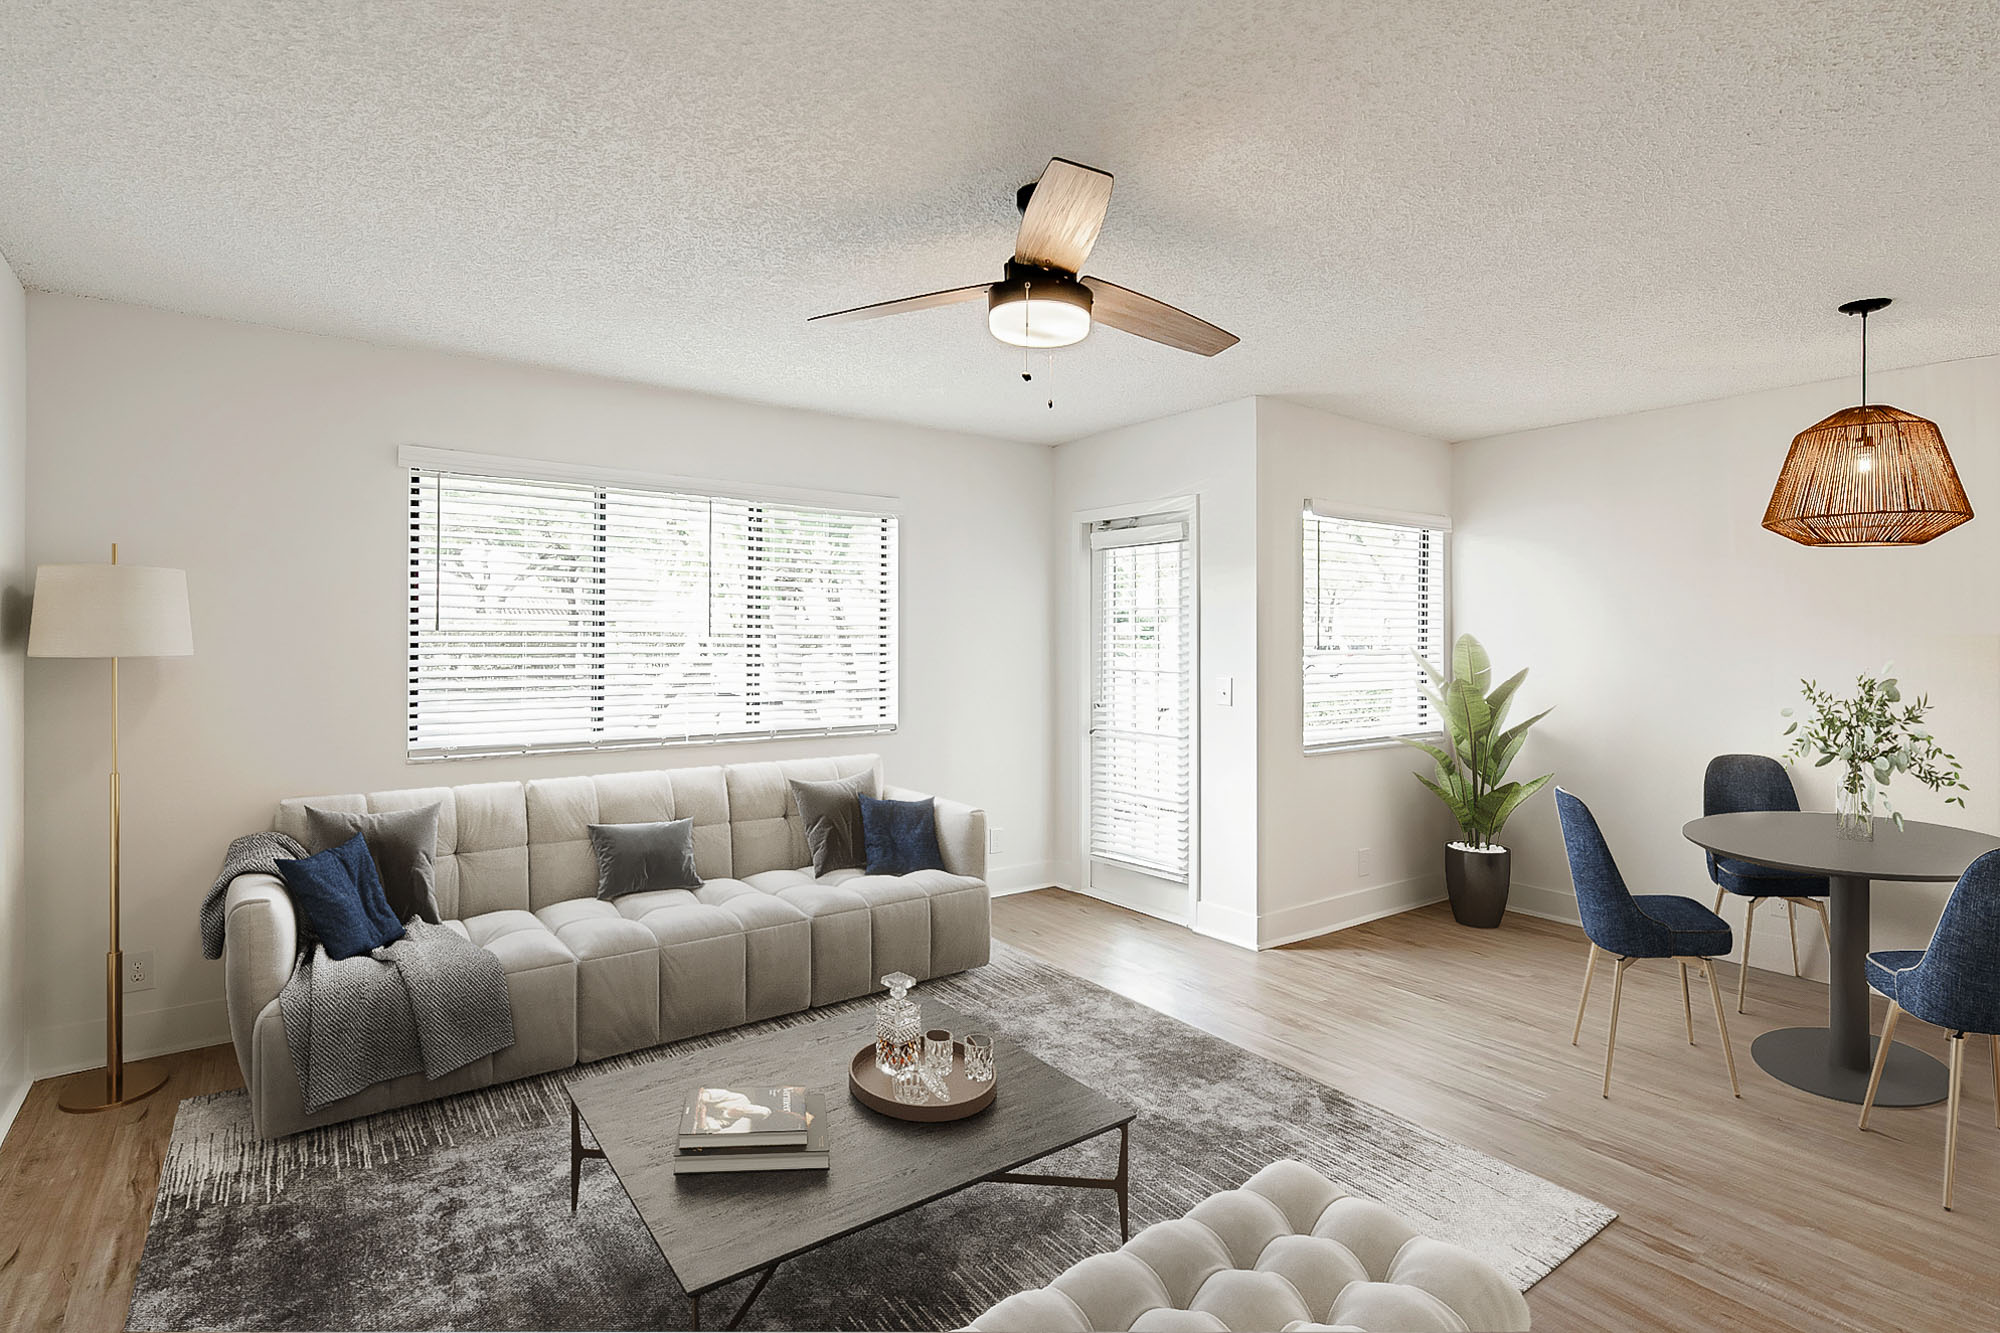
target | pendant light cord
[{"x": 1864, "y": 358}]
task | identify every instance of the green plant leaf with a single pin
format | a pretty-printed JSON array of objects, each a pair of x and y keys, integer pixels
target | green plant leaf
[
  {"x": 1443, "y": 756},
  {"x": 1503, "y": 695},
  {"x": 1437, "y": 677},
  {"x": 1461, "y": 811},
  {"x": 1511, "y": 797},
  {"x": 1470, "y": 663}
]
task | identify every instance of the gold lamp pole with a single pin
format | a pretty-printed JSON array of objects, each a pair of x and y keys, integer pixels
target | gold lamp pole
[{"x": 111, "y": 611}]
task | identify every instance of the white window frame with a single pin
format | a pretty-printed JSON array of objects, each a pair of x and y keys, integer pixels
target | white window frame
[
  {"x": 1331, "y": 509},
  {"x": 416, "y": 458}
]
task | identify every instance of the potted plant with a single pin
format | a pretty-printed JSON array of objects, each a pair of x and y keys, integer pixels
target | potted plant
[
  {"x": 1471, "y": 773},
  {"x": 1872, "y": 736}
]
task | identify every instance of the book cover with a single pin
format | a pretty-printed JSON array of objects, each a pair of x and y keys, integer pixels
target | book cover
[
  {"x": 717, "y": 1116},
  {"x": 809, "y": 1156}
]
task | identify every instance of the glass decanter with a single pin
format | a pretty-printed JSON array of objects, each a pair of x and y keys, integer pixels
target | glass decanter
[{"x": 899, "y": 1027}]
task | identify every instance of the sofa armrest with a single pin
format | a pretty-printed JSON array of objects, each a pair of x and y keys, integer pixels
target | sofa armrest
[
  {"x": 259, "y": 949},
  {"x": 961, "y": 831}
]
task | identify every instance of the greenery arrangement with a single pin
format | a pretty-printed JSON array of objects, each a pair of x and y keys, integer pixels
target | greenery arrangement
[
  {"x": 1874, "y": 735},
  {"x": 1470, "y": 771}
]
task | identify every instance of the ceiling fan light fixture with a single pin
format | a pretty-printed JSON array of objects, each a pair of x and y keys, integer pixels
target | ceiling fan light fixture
[{"x": 1046, "y": 310}]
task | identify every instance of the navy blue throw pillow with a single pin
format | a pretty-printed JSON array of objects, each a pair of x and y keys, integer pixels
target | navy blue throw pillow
[
  {"x": 901, "y": 836},
  {"x": 341, "y": 895}
]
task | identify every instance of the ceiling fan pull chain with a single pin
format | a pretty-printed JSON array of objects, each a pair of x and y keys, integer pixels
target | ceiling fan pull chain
[
  {"x": 1027, "y": 375},
  {"x": 1052, "y": 381}
]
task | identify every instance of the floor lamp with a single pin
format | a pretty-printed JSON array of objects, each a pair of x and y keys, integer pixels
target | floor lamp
[{"x": 111, "y": 611}]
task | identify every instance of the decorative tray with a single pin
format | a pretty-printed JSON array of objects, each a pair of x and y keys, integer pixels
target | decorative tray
[{"x": 877, "y": 1090}]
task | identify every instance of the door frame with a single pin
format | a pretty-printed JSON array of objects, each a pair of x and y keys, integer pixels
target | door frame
[{"x": 1188, "y": 509}]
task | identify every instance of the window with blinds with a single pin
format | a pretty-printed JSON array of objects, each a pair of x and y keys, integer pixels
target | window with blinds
[
  {"x": 1374, "y": 602},
  {"x": 548, "y": 614},
  {"x": 1140, "y": 715}
]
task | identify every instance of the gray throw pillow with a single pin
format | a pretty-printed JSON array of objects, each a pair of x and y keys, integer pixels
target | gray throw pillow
[
  {"x": 403, "y": 844},
  {"x": 831, "y": 812},
  {"x": 632, "y": 858}
]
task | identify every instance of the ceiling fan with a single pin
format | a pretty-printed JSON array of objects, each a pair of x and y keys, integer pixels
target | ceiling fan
[{"x": 1041, "y": 302}]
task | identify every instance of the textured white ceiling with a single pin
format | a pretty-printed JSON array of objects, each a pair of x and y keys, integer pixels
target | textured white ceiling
[{"x": 1452, "y": 217}]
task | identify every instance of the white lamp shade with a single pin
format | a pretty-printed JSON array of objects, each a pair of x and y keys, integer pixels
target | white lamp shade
[{"x": 110, "y": 611}]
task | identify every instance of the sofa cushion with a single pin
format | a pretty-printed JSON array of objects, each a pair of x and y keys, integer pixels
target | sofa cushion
[
  {"x": 1287, "y": 1251},
  {"x": 632, "y": 858},
  {"x": 404, "y": 845},
  {"x": 831, "y": 814},
  {"x": 340, "y": 896},
  {"x": 765, "y": 830},
  {"x": 617, "y": 977},
  {"x": 562, "y": 864},
  {"x": 900, "y": 836}
]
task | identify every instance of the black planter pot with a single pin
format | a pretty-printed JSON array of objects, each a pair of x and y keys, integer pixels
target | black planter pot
[{"x": 1477, "y": 882}]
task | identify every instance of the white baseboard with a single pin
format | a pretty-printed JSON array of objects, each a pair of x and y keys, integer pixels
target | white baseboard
[
  {"x": 69, "y": 1048},
  {"x": 1227, "y": 924},
  {"x": 1338, "y": 911},
  {"x": 14, "y": 1083},
  {"x": 1546, "y": 903},
  {"x": 1023, "y": 879}
]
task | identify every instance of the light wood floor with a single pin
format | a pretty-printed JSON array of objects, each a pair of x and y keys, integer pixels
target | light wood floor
[{"x": 1768, "y": 1212}]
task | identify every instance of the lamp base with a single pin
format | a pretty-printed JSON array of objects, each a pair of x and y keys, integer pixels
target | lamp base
[{"x": 91, "y": 1090}]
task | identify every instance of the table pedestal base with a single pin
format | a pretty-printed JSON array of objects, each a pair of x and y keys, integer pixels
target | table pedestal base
[{"x": 1803, "y": 1057}]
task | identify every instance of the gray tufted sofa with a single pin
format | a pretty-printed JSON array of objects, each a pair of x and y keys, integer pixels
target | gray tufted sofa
[
  {"x": 589, "y": 979},
  {"x": 1289, "y": 1250}
]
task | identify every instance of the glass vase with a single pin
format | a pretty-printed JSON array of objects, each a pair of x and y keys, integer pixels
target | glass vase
[{"x": 1852, "y": 816}]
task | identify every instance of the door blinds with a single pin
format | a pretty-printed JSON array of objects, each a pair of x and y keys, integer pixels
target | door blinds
[{"x": 1140, "y": 718}]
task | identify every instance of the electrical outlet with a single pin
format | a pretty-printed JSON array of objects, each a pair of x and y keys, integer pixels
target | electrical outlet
[
  {"x": 139, "y": 970},
  {"x": 1364, "y": 862},
  {"x": 993, "y": 839}
]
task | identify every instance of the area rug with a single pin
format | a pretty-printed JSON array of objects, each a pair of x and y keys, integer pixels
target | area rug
[{"x": 456, "y": 1214}]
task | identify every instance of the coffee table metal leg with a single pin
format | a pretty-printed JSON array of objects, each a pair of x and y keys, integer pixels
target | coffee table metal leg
[
  {"x": 1120, "y": 1183},
  {"x": 735, "y": 1320},
  {"x": 577, "y": 1152}
]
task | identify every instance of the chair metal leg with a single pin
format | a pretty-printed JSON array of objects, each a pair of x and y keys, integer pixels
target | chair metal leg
[
  {"x": 1687, "y": 1006},
  {"x": 1951, "y": 1113},
  {"x": 1749, "y": 922},
  {"x": 1717, "y": 909},
  {"x": 1825, "y": 931},
  {"x": 1792, "y": 925},
  {"x": 1707, "y": 966},
  {"x": 1589, "y": 969},
  {"x": 1881, "y": 1059},
  {"x": 1611, "y": 1037}
]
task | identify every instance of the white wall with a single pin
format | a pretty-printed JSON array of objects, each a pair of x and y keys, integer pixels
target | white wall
[
  {"x": 264, "y": 463},
  {"x": 16, "y": 581},
  {"x": 1622, "y": 560},
  {"x": 1318, "y": 812},
  {"x": 1209, "y": 455}
]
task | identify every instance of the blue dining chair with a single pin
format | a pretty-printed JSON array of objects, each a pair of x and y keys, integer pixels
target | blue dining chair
[
  {"x": 1953, "y": 984},
  {"x": 1630, "y": 927},
  {"x": 1735, "y": 783}
]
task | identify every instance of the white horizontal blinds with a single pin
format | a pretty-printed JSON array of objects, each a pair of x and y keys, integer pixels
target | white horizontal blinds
[
  {"x": 1140, "y": 723},
  {"x": 1374, "y": 594},
  {"x": 547, "y": 614}
]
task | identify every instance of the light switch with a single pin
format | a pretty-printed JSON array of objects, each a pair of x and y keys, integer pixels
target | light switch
[{"x": 1225, "y": 691}]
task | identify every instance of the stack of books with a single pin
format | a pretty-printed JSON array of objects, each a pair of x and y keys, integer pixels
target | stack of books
[{"x": 752, "y": 1129}]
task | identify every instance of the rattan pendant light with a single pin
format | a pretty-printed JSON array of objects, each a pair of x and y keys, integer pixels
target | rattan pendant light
[{"x": 1867, "y": 476}]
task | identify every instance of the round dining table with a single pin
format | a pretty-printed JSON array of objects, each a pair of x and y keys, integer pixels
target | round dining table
[{"x": 1835, "y": 1061}]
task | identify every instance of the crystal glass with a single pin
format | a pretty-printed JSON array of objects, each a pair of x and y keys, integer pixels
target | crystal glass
[
  {"x": 1852, "y": 817},
  {"x": 938, "y": 1052},
  {"x": 912, "y": 1088},
  {"x": 978, "y": 1057},
  {"x": 899, "y": 1027}
]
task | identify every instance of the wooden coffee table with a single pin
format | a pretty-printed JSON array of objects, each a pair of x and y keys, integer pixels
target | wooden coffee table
[{"x": 717, "y": 1229}]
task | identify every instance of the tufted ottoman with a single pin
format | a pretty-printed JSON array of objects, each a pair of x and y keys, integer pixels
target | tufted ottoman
[{"x": 1290, "y": 1250}]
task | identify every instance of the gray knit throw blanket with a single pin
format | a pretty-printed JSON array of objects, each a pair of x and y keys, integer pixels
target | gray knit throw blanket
[{"x": 432, "y": 1001}]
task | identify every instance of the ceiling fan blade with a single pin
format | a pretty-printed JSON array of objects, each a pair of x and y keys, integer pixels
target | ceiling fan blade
[
  {"x": 908, "y": 303},
  {"x": 1123, "y": 308},
  {"x": 1063, "y": 216}
]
